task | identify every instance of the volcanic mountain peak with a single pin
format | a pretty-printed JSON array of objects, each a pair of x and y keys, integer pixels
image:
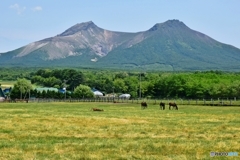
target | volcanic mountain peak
[
  {"x": 78, "y": 27},
  {"x": 168, "y": 24},
  {"x": 166, "y": 46}
]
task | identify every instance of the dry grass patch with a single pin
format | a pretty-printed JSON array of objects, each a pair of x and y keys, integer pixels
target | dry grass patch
[{"x": 122, "y": 131}]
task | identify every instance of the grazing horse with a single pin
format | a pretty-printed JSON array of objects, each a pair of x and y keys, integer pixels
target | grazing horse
[
  {"x": 144, "y": 105},
  {"x": 173, "y": 105},
  {"x": 96, "y": 109},
  {"x": 162, "y": 106}
]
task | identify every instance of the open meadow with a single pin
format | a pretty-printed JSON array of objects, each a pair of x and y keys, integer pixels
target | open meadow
[
  {"x": 63, "y": 130},
  {"x": 7, "y": 84}
]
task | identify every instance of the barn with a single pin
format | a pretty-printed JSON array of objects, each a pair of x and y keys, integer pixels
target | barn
[
  {"x": 125, "y": 96},
  {"x": 46, "y": 89},
  {"x": 97, "y": 93},
  {"x": 2, "y": 95},
  {"x": 7, "y": 90}
]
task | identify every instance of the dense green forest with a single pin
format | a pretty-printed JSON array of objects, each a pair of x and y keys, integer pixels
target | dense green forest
[{"x": 208, "y": 84}]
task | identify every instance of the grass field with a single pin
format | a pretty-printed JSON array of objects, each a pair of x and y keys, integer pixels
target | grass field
[
  {"x": 7, "y": 84},
  {"x": 122, "y": 131}
]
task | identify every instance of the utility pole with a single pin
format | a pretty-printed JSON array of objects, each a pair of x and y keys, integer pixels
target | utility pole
[
  {"x": 21, "y": 91},
  {"x": 65, "y": 90},
  {"x": 113, "y": 94},
  {"x": 140, "y": 86},
  {"x": 65, "y": 93}
]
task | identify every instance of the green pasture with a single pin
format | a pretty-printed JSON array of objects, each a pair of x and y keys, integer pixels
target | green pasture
[
  {"x": 122, "y": 131},
  {"x": 7, "y": 84}
]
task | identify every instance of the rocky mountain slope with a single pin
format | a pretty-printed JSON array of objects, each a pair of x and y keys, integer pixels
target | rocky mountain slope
[{"x": 166, "y": 46}]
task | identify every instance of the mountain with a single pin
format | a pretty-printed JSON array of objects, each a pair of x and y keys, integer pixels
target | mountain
[{"x": 168, "y": 46}]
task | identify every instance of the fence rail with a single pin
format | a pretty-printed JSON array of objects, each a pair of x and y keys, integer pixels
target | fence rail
[{"x": 202, "y": 102}]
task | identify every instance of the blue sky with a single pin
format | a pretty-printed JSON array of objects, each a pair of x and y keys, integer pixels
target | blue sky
[{"x": 26, "y": 21}]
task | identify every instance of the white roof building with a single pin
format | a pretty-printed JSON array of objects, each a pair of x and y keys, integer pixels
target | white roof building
[
  {"x": 97, "y": 93},
  {"x": 127, "y": 96}
]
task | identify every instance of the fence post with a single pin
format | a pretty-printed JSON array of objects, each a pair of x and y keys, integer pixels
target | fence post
[{"x": 212, "y": 101}]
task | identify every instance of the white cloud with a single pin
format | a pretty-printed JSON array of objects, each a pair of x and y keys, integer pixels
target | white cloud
[
  {"x": 37, "y": 8},
  {"x": 18, "y": 8}
]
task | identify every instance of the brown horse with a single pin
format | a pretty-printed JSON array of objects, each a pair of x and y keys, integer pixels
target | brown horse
[
  {"x": 162, "y": 106},
  {"x": 144, "y": 105},
  {"x": 97, "y": 109},
  {"x": 172, "y": 104}
]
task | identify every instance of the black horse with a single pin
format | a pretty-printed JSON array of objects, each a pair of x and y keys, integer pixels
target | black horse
[
  {"x": 162, "y": 106},
  {"x": 173, "y": 105},
  {"x": 144, "y": 105}
]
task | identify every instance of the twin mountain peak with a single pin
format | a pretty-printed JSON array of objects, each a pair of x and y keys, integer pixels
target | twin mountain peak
[
  {"x": 90, "y": 25},
  {"x": 166, "y": 46}
]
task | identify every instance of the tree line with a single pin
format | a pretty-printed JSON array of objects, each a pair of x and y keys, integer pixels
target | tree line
[{"x": 195, "y": 85}]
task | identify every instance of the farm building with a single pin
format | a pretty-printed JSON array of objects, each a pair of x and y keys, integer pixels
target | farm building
[
  {"x": 125, "y": 96},
  {"x": 62, "y": 90},
  {"x": 2, "y": 96},
  {"x": 97, "y": 93},
  {"x": 46, "y": 89},
  {"x": 7, "y": 90}
]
